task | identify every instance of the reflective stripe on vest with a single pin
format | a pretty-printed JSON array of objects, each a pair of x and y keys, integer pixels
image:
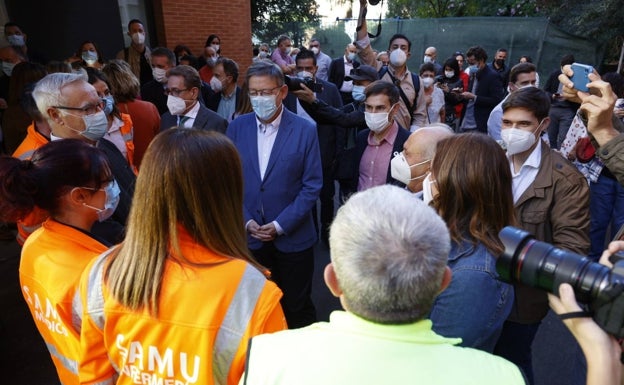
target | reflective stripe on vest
[
  {"x": 95, "y": 297},
  {"x": 235, "y": 323},
  {"x": 26, "y": 155},
  {"x": 127, "y": 137},
  {"x": 68, "y": 363}
]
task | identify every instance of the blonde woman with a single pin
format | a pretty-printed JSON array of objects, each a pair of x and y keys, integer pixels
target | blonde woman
[{"x": 179, "y": 299}]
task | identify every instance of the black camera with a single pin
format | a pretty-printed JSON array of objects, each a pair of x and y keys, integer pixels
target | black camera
[
  {"x": 541, "y": 265},
  {"x": 294, "y": 83}
]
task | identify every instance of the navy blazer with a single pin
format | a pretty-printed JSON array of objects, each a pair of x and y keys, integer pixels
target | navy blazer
[
  {"x": 292, "y": 181},
  {"x": 205, "y": 120},
  {"x": 361, "y": 142},
  {"x": 489, "y": 93},
  {"x": 327, "y": 133}
]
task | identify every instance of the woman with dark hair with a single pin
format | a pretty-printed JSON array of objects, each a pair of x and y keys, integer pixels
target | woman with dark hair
[
  {"x": 125, "y": 87},
  {"x": 72, "y": 181},
  {"x": 470, "y": 184},
  {"x": 183, "y": 285},
  {"x": 214, "y": 41},
  {"x": 120, "y": 128},
  {"x": 452, "y": 86},
  {"x": 87, "y": 55}
]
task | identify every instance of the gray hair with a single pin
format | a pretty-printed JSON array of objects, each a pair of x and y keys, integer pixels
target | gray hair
[
  {"x": 389, "y": 251},
  {"x": 265, "y": 68},
  {"x": 429, "y": 137},
  {"x": 47, "y": 92}
]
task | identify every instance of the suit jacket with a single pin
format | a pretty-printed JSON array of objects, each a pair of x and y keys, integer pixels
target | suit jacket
[
  {"x": 326, "y": 132},
  {"x": 291, "y": 184},
  {"x": 489, "y": 93},
  {"x": 361, "y": 142},
  {"x": 154, "y": 92},
  {"x": 555, "y": 209},
  {"x": 213, "y": 99},
  {"x": 205, "y": 120}
]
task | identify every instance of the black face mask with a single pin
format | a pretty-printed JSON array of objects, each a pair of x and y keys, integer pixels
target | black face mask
[{"x": 500, "y": 62}]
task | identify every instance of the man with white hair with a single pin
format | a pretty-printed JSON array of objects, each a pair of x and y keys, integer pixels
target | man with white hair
[
  {"x": 412, "y": 165},
  {"x": 74, "y": 110},
  {"x": 388, "y": 263}
]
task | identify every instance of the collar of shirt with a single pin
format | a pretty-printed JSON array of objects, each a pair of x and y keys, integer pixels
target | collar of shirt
[
  {"x": 192, "y": 114},
  {"x": 389, "y": 137},
  {"x": 115, "y": 125},
  {"x": 406, "y": 75},
  {"x": 533, "y": 161},
  {"x": 228, "y": 97},
  {"x": 274, "y": 125}
]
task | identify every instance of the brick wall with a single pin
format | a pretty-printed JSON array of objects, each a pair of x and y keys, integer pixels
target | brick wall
[{"x": 190, "y": 22}]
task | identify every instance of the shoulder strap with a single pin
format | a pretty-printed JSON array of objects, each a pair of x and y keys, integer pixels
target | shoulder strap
[
  {"x": 126, "y": 53},
  {"x": 410, "y": 106}
]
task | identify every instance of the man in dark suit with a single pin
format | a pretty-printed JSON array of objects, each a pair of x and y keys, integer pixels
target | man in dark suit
[
  {"x": 305, "y": 66},
  {"x": 225, "y": 98},
  {"x": 185, "y": 110},
  {"x": 485, "y": 91},
  {"x": 153, "y": 91},
  {"x": 341, "y": 68},
  {"x": 383, "y": 138},
  {"x": 283, "y": 178}
]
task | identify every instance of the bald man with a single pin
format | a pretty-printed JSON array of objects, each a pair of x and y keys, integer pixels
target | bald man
[
  {"x": 431, "y": 54},
  {"x": 412, "y": 165}
]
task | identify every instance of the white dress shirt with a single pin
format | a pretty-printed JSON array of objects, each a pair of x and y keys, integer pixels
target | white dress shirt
[
  {"x": 528, "y": 172},
  {"x": 191, "y": 115}
]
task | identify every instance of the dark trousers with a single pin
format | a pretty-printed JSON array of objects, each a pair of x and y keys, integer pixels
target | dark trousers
[
  {"x": 560, "y": 120},
  {"x": 292, "y": 272},
  {"x": 514, "y": 344},
  {"x": 327, "y": 203}
]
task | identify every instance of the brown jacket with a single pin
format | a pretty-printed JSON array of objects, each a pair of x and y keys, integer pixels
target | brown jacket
[{"x": 555, "y": 209}]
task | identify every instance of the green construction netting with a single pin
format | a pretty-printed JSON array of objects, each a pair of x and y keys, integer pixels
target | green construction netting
[{"x": 535, "y": 37}]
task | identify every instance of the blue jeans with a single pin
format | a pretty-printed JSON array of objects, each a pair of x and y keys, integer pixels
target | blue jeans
[{"x": 606, "y": 205}]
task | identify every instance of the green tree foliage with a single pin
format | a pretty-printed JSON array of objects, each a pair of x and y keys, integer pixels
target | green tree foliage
[
  {"x": 271, "y": 18},
  {"x": 595, "y": 19}
]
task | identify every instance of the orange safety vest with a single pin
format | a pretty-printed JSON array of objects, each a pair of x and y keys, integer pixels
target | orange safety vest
[
  {"x": 30, "y": 223},
  {"x": 53, "y": 259},
  {"x": 127, "y": 132},
  {"x": 206, "y": 316}
]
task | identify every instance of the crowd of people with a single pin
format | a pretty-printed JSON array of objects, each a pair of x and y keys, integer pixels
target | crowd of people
[{"x": 168, "y": 209}]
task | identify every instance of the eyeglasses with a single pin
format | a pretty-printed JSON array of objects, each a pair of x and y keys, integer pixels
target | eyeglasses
[
  {"x": 263, "y": 92},
  {"x": 87, "y": 110},
  {"x": 174, "y": 91}
]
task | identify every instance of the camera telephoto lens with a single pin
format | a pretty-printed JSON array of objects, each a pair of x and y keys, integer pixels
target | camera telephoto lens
[
  {"x": 541, "y": 265},
  {"x": 373, "y": 2}
]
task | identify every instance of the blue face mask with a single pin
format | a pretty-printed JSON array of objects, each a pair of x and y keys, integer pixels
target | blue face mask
[
  {"x": 110, "y": 205},
  {"x": 110, "y": 103},
  {"x": 358, "y": 93},
  {"x": 264, "y": 106},
  {"x": 96, "y": 126},
  {"x": 473, "y": 69},
  {"x": 90, "y": 57},
  {"x": 7, "y": 68}
]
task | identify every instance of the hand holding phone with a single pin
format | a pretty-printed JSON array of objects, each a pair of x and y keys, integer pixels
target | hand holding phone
[{"x": 580, "y": 78}]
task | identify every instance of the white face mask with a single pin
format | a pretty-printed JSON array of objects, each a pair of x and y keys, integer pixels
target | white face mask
[
  {"x": 315, "y": 50},
  {"x": 402, "y": 171},
  {"x": 427, "y": 193},
  {"x": 398, "y": 57},
  {"x": 427, "y": 59},
  {"x": 138, "y": 38},
  {"x": 176, "y": 105},
  {"x": 159, "y": 74},
  {"x": 427, "y": 82},
  {"x": 304, "y": 75},
  {"x": 517, "y": 140},
  {"x": 449, "y": 74},
  {"x": 216, "y": 47},
  {"x": 377, "y": 121},
  {"x": 216, "y": 84}
]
